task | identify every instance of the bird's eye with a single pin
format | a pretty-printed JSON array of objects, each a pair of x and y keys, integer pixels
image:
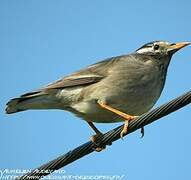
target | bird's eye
[{"x": 156, "y": 47}]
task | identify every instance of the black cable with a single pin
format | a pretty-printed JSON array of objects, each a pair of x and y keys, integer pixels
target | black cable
[{"x": 108, "y": 137}]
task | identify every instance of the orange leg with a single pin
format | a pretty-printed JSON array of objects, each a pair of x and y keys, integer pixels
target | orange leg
[
  {"x": 123, "y": 115},
  {"x": 94, "y": 137}
]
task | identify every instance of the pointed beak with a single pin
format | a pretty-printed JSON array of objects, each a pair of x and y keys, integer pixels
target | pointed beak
[{"x": 175, "y": 47}]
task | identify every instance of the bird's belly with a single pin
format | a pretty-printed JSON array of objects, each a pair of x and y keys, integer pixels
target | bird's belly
[
  {"x": 91, "y": 111},
  {"x": 133, "y": 101}
]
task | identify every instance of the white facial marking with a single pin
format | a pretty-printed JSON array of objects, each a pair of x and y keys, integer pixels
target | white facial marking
[{"x": 145, "y": 50}]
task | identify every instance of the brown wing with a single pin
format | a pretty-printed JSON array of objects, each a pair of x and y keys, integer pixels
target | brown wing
[
  {"x": 89, "y": 75},
  {"x": 71, "y": 82}
]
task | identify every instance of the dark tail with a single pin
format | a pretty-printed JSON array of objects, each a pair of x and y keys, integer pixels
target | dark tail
[{"x": 33, "y": 100}]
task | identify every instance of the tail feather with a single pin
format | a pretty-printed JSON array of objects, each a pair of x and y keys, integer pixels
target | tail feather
[
  {"x": 12, "y": 106},
  {"x": 24, "y": 102}
]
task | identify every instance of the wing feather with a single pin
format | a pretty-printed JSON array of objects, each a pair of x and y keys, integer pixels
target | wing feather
[
  {"x": 92, "y": 74},
  {"x": 71, "y": 82}
]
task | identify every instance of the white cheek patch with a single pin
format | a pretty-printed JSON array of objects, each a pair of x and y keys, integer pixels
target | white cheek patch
[{"x": 145, "y": 50}]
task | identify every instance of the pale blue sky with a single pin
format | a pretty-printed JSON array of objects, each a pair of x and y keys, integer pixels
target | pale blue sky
[{"x": 41, "y": 41}]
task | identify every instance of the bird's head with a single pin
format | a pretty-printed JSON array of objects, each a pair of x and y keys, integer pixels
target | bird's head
[{"x": 161, "y": 48}]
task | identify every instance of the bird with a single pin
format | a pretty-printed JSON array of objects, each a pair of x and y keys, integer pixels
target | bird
[{"x": 116, "y": 89}]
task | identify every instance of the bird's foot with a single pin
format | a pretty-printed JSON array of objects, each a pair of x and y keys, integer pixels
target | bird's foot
[
  {"x": 127, "y": 117},
  {"x": 98, "y": 147},
  {"x": 126, "y": 125},
  {"x": 94, "y": 138},
  {"x": 142, "y": 132},
  {"x": 125, "y": 129}
]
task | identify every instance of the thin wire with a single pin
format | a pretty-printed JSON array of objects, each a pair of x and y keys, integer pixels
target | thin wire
[{"x": 108, "y": 137}]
